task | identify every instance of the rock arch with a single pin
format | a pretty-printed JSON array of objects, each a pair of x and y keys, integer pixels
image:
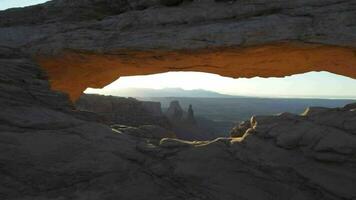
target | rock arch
[
  {"x": 91, "y": 43},
  {"x": 74, "y": 71}
]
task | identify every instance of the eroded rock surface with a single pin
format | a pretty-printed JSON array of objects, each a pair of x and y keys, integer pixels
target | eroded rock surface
[
  {"x": 49, "y": 151},
  {"x": 88, "y": 43}
]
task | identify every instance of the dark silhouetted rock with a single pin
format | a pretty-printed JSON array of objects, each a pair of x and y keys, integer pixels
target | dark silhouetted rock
[
  {"x": 120, "y": 110},
  {"x": 190, "y": 119},
  {"x": 174, "y": 112},
  {"x": 146, "y": 131}
]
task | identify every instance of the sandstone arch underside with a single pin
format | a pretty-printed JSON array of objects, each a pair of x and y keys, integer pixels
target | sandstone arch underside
[
  {"x": 73, "y": 72},
  {"x": 90, "y": 46}
]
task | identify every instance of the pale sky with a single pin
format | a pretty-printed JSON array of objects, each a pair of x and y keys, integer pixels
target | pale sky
[
  {"x": 5, "y": 4},
  {"x": 312, "y": 84}
]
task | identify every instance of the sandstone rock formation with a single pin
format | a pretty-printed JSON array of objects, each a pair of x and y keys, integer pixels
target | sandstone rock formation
[
  {"x": 240, "y": 130},
  {"x": 185, "y": 125},
  {"x": 190, "y": 119},
  {"x": 125, "y": 111},
  {"x": 49, "y": 151},
  {"x": 175, "y": 112},
  {"x": 317, "y": 133},
  {"x": 88, "y": 43}
]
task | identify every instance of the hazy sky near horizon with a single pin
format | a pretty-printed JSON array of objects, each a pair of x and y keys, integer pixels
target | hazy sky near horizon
[{"x": 312, "y": 84}]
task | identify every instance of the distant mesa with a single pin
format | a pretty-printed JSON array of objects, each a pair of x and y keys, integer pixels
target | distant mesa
[
  {"x": 120, "y": 110},
  {"x": 166, "y": 92}
]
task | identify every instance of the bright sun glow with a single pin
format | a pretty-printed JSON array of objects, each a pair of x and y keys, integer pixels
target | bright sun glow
[{"x": 313, "y": 84}]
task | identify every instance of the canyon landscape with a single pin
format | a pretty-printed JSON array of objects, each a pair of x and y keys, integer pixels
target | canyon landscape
[{"x": 57, "y": 143}]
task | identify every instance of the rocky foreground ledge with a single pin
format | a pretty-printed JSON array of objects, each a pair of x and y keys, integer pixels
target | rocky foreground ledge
[{"x": 50, "y": 151}]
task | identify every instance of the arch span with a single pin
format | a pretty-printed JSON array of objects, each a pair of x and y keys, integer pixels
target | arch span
[{"x": 74, "y": 71}]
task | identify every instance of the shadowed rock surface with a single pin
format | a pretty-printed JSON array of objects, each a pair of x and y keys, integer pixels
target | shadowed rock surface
[
  {"x": 48, "y": 152},
  {"x": 108, "y": 24},
  {"x": 190, "y": 116},
  {"x": 99, "y": 41},
  {"x": 118, "y": 111}
]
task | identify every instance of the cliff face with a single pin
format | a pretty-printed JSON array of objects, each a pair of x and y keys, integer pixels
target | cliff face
[
  {"x": 152, "y": 107},
  {"x": 87, "y": 43},
  {"x": 49, "y": 151},
  {"x": 127, "y": 111}
]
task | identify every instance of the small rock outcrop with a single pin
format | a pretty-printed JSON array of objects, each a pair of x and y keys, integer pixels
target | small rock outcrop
[
  {"x": 322, "y": 133},
  {"x": 240, "y": 130},
  {"x": 190, "y": 119}
]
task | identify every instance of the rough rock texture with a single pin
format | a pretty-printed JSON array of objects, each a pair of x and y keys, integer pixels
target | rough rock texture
[
  {"x": 239, "y": 130},
  {"x": 322, "y": 133},
  {"x": 48, "y": 151},
  {"x": 90, "y": 43},
  {"x": 152, "y": 132},
  {"x": 125, "y": 111}
]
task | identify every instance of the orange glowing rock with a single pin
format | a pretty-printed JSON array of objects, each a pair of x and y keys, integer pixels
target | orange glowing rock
[{"x": 74, "y": 71}]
